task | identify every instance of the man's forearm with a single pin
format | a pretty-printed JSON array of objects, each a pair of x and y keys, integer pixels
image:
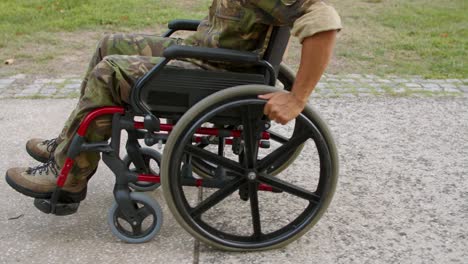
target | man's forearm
[
  {"x": 316, "y": 53},
  {"x": 283, "y": 107}
]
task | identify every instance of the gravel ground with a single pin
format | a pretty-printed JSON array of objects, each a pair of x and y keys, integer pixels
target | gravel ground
[{"x": 402, "y": 194}]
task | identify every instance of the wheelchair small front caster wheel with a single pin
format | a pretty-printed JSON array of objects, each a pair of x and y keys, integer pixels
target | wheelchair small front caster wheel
[
  {"x": 152, "y": 160},
  {"x": 140, "y": 230}
]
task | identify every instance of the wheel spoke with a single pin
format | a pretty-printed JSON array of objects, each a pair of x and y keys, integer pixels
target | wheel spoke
[
  {"x": 201, "y": 145},
  {"x": 136, "y": 229},
  {"x": 290, "y": 188},
  {"x": 143, "y": 213},
  {"x": 221, "y": 146},
  {"x": 278, "y": 138},
  {"x": 147, "y": 168},
  {"x": 253, "y": 197},
  {"x": 214, "y": 159},
  {"x": 283, "y": 151},
  {"x": 249, "y": 135},
  {"x": 217, "y": 197}
]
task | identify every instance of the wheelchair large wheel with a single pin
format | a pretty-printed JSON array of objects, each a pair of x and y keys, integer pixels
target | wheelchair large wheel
[
  {"x": 286, "y": 78},
  {"x": 268, "y": 212}
]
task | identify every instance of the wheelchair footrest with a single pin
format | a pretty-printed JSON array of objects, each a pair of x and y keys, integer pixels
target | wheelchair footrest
[{"x": 60, "y": 209}]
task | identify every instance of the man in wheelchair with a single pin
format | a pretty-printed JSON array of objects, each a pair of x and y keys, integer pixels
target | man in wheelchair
[{"x": 121, "y": 59}]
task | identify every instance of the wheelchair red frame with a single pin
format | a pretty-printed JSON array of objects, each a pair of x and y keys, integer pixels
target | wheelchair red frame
[{"x": 83, "y": 129}]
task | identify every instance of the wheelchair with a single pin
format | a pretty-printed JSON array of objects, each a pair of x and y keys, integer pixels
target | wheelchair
[{"x": 229, "y": 175}]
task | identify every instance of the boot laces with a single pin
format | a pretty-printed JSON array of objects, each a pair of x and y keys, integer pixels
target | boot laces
[
  {"x": 51, "y": 144},
  {"x": 50, "y": 165}
]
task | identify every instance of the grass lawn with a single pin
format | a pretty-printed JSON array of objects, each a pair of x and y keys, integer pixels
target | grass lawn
[
  {"x": 418, "y": 37},
  {"x": 24, "y": 17}
]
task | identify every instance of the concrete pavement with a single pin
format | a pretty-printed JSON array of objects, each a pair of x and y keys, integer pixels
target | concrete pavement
[{"x": 402, "y": 194}]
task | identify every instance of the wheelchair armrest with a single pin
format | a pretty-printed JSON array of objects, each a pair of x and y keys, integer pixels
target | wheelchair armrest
[
  {"x": 211, "y": 54},
  {"x": 184, "y": 24}
]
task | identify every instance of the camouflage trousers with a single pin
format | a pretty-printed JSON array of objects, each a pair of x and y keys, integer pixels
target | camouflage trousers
[{"x": 119, "y": 60}]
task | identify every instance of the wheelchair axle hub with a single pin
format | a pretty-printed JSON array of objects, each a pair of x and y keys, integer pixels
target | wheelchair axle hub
[{"x": 252, "y": 176}]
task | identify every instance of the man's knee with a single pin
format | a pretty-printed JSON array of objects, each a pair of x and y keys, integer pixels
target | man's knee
[
  {"x": 107, "y": 81},
  {"x": 110, "y": 59},
  {"x": 104, "y": 69},
  {"x": 114, "y": 44},
  {"x": 106, "y": 43},
  {"x": 118, "y": 43}
]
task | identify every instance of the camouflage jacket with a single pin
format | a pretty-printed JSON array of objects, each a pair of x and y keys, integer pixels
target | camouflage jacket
[{"x": 244, "y": 24}]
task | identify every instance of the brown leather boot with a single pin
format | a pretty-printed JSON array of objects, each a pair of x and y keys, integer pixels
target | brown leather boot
[
  {"x": 40, "y": 182},
  {"x": 41, "y": 149}
]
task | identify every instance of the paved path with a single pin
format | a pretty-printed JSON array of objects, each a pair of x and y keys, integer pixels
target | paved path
[
  {"x": 351, "y": 85},
  {"x": 402, "y": 194}
]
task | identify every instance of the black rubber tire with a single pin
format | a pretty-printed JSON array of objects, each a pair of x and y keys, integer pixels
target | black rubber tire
[
  {"x": 286, "y": 76},
  {"x": 171, "y": 191}
]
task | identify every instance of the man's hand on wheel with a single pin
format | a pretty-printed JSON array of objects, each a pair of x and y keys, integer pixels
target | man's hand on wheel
[{"x": 282, "y": 107}]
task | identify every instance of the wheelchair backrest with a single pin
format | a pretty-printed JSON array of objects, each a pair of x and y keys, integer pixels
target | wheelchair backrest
[
  {"x": 175, "y": 90},
  {"x": 277, "y": 45}
]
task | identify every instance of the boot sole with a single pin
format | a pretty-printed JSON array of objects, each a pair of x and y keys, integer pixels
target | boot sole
[
  {"x": 36, "y": 157},
  {"x": 65, "y": 197}
]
